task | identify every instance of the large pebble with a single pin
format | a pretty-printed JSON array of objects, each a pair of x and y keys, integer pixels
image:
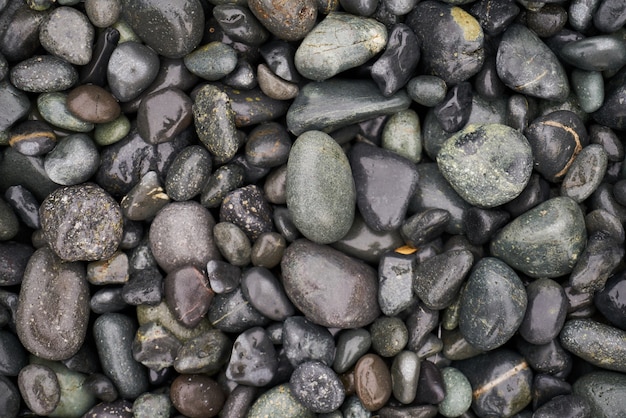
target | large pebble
[
  {"x": 253, "y": 361},
  {"x": 68, "y": 34},
  {"x": 372, "y": 381},
  {"x": 290, "y": 20},
  {"x": 159, "y": 23},
  {"x": 599, "y": 344},
  {"x": 320, "y": 189},
  {"x": 310, "y": 274},
  {"x": 279, "y": 401},
  {"x": 546, "y": 241},
  {"x": 197, "y": 396},
  {"x": 40, "y": 388},
  {"x": 188, "y": 295},
  {"x": 81, "y": 222},
  {"x": 215, "y": 122},
  {"x": 73, "y": 161},
  {"x": 131, "y": 69},
  {"x": 317, "y": 386},
  {"x": 45, "y": 73},
  {"x": 605, "y": 392}
]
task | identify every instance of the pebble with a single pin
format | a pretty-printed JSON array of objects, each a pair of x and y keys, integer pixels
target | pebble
[
  {"x": 233, "y": 243},
  {"x": 438, "y": 280},
  {"x": 32, "y": 138},
  {"x": 274, "y": 86},
  {"x": 278, "y": 56},
  {"x": 603, "y": 391},
  {"x": 154, "y": 346},
  {"x": 320, "y": 188},
  {"x": 290, "y": 20},
  {"x": 9, "y": 397},
  {"x": 398, "y": 62},
  {"x": 396, "y": 274},
  {"x": 68, "y": 34},
  {"x": 609, "y": 301},
  {"x": 253, "y": 361},
  {"x": 164, "y": 114},
  {"x": 25, "y": 205},
  {"x": 427, "y": 90},
  {"x": 145, "y": 199},
  {"x": 206, "y": 353},
  {"x": 120, "y": 408},
  {"x": 268, "y": 250},
  {"x": 73, "y": 161},
  {"x": 13, "y": 356},
  {"x": 113, "y": 270},
  {"x": 197, "y": 396},
  {"x": 599, "y": 344},
  {"x": 454, "y": 111},
  {"x": 39, "y": 388},
  {"x": 151, "y": 405},
  {"x": 43, "y": 73},
  {"x": 351, "y": 345},
  {"x": 111, "y": 132},
  {"x": 268, "y": 145},
  {"x": 240, "y": 24},
  {"x": 545, "y": 312},
  {"x": 54, "y": 110},
  {"x": 188, "y": 173},
  {"x": 181, "y": 235},
  {"x": 405, "y": 371},
  {"x": 458, "y": 393},
  {"x": 212, "y": 61},
  {"x": 317, "y": 387},
  {"x": 279, "y": 401},
  {"x": 103, "y": 13},
  {"x": 305, "y": 341},
  {"x": 187, "y": 294},
  {"x": 402, "y": 135},
  {"x": 589, "y": 88},
  {"x": 231, "y": 312},
  {"x": 247, "y": 208},
  {"x": 488, "y": 323},
  {"x": 585, "y": 174},
  {"x": 389, "y": 336},
  {"x": 93, "y": 104},
  {"x": 223, "y": 276},
  {"x": 158, "y": 24},
  {"x": 543, "y": 252},
  {"x": 14, "y": 258},
  {"x": 266, "y": 294},
  {"x": 355, "y": 306},
  {"x": 372, "y": 381},
  {"x": 223, "y": 180},
  {"x": 131, "y": 69},
  {"x": 544, "y": 79},
  {"x": 597, "y": 262}
]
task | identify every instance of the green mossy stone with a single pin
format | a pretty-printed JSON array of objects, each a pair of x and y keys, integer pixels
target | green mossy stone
[
  {"x": 111, "y": 132},
  {"x": 53, "y": 108}
]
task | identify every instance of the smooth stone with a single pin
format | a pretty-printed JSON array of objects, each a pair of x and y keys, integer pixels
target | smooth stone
[
  {"x": 268, "y": 145},
  {"x": 424, "y": 226},
  {"x": 456, "y": 347},
  {"x": 39, "y": 388},
  {"x": 389, "y": 336},
  {"x": 247, "y": 208},
  {"x": 589, "y": 88},
  {"x": 546, "y": 387},
  {"x": 603, "y": 391},
  {"x": 289, "y": 21},
  {"x": 537, "y": 191},
  {"x": 231, "y": 312},
  {"x": 595, "y": 53},
  {"x": 354, "y": 408},
  {"x": 232, "y": 243},
  {"x": 305, "y": 341},
  {"x": 279, "y": 401},
  {"x": 155, "y": 347},
  {"x": 352, "y": 101},
  {"x": 599, "y": 344},
  {"x": 581, "y": 14},
  {"x": 597, "y": 262},
  {"x": 274, "y": 86},
  {"x": 13, "y": 356},
  {"x": 44, "y": 73},
  {"x": 544, "y": 79},
  {"x": 359, "y": 7},
  {"x": 107, "y": 300},
  {"x": 546, "y": 358},
  {"x": 152, "y": 405},
  {"x": 488, "y": 323},
  {"x": 609, "y": 16},
  {"x": 398, "y": 62},
  {"x": 93, "y": 104},
  {"x": 158, "y": 24},
  {"x": 354, "y": 305},
  {"x": 205, "y": 353},
  {"x": 111, "y": 132},
  {"x": 164, "y": 114},
  {"x": 268, "y": 250},
  {"x": 487, "y": 165},
  {"x": 366, "y": 244},
  {"x": 32, "y": 138},
  {"x": 611, "y": 113},
  {"x": 585, "y": 174},
  {"x": 266, "y": 294},
  {"x": 20, "y": 31},
  {"x": 72, "y": 228},
  {"x": 162, "y": 315},
  {"x": 494, "y": 17},
  {"x": 317, "y": 387},
  {"x": 223, "y": 276},
  {"x": 545, "y": 312},
  {"x": 223, "y": 181},
  {"x": 145, "y": 199},
  {"x": 103, "y": 13},
  {"x": 566, "y": 405},
  {"x": 278, "y": 56},
  {"x": 14, "y": 258},
  {"x": 95, "y": 71},
  {"x": 9, "y": 222},
  {"x": 351, "y": 345},
  {"x": 458, "y": 393},
  {"x": 372, "y": 381},
  {"x": 212, "y": 61},
  {"x": 601, "y": 222},
  {"x": 131, "y": 69},
  {"x": 396, "y": 274},
  {"x": 543, "y": 252},
  {"x": 438, "y": 280},
  {"x": 421, "y": 411},
  {"x": 609, "y": 301},
  {"x": 482, "y": 224},
  {"x": 381, "y": 199},
  {"x": 188, "y": 294},
  {"x": 320, "y": 188},
  {"x": 68, "y": 34},
  {"x": 602, "y": 135},
  {"x": 144, "y": 287},
  {"x": 54, "y": 110},
  {"x": 197, "y": 396},
  {"x": 113, "y": 270},
  {"x": 405, "y": 371},
  {"x": 188, "y": 173},
  {"x": 240, "y": 24},
  {"x": 181, "y": 234},
  {"x": 487, "y": 83},
  {"x": 114, "y": 335},
  {"x": 402, "y": 135},
  {"x": 252, "y": 106},
  {"x": 427, "y": 90},
  {"x": 215, "y": 124},
  {"x": 420, "y": 322},
  {"x": 548, "y": 20},
  {"x": 120, "y": 408},
  {"x": 434, "y": 192},
  {"x": 74, "y": 160},
  {"x": 501, "y": 382},
  {"x": 454, "y": 111},
  {"x": 253, "y": 361}
]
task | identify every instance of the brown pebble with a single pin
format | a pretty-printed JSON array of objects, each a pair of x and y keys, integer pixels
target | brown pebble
[
  {"x": 372, "y": 381},
  {"x": 93, "y": 104},
  {"x": 188, "y": 295},
  {"x": 268, "y": 250},
  {"x": 197, "y": 396},
  {"x": 347, "y": 380}
]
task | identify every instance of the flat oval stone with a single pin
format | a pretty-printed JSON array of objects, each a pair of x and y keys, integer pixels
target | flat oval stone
[
  {"x": 40, "y": 388},
  {"x": 188, "y": 295},
  {"x": 317, "y": 386},
  {"x": 526, "y": 65},
  {"x": 253, "y": 361},
  {"x": 405, "y": 371},
  {"x": 308, "y": 267},
  {"x": 81, "y": 222},
  {"x": 73, "y": 161},
  {"x": 212, "y": 61},
  {"x": 488, "y": 323},
  {"x": 131, "y": 69},
  {"x": 181, "y": 234},
  {"x": 605, "y": 392},
  {"x": 488, "y": 165},
  {"x": 320, "y": 188},
  {"x": 205, "y": 353},
  {"x": 53, "y": 309},
  {"x": 188, "y": 173},
  {"x": 339, "y": 42},
  {"x": 103, "y": 13},
  {"x": 164, "y": 114},
  {"x": 158, "y": 24},
  {"x": 290, "y": 20},
  {"x": 93, "y": 104},
  {"x": 595, "y": 53},
  {"x": 599, "y": 344},
  {"x": 68, "y": 34},
  {"x": 546, "y": 241},
  {"x": 232, "y": 243},
  {"x": 278, "y": 401},
  {"x": 197, "y": 396},
  {"x": 427, "y": 90},
  {"x": 215, "y": 123},
  {"x": 274, "y": 86},
  {"x": 585, "y": 174},
  {"x": 44, "y": 73},
  {"x": 372, "y": 381},
  {"x": 266, "y": 294},
  {"x": 545, "y": 313}
]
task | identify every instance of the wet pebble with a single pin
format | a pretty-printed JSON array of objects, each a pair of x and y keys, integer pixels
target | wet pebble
[
  {"x": 223, "y": 276},
  {"x": 197, "y": 396},
  {"x": 32, "y": 138},
  {"x": 601, "y": 345},
  {"x": 154, "y": 346},
  {"x": 603, "y": 391},
  {"x": 317, "y": 386},
  {"x": 396, "y": 274},
  {"x": 305, "y": 341},
  {"x": 188, "y": 295},
  {"x": 25, "y": 205},
  {"x": 206, "y": 353},
  {"x": 54, "y": 110},
  {"x": 93, "y": 104},
  {"x": 214, "y": 122},
  {"x": 44, "y": 73},
  {"x": 438, "y": 280},
  {"x": 279, "y": 400},
  {"x": 274, "y": 86},
  {"x": 351, "y": 345},
  {"x": 545, "y": 313},
  {"x": 152, "y": 405},
  {"x": 212, "y": 61},
  {"x": 458, "y": 393},
  {"x": 247, "y": 208},
  {"x": 131, "y": 69},
  {"x": 39, "y": 388},
  {"x": 223, "y": 180},
  {"x": 188, "y": 173},
  {"x": 231, "y": 312},
  {"x": 145, "y": 199},
  {"x": 266, "y": 294},
  {"x": 268, "y": 250},
  {"x": 74, "y": 160},
  {"x": 253, "y": 361},
  {"x": 372, "y": 381},
  {"x": 232, "y": 243},
  {"x": 68, "y": 34}
]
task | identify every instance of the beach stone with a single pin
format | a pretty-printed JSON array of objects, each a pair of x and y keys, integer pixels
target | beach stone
[
  {"x": 223, "y": 276},
  {"x": 588, "y": 86},
  {"x": 120, "y": 408},
  {"x": 268, "y": 250},
  {"x": 14, "y": 258},
  {"x": 405, "y": 371},
  {"x": 253, "y": 361},
  {"x": 233, "y": 243},
  {"x": 268, "y": 146},
  {"x": 545, "y": 78},
  {"x": 317, "y": 387},
  {"x": 24, "y": 204},
  {"x": 152, "y": 405},
  {"x": 458, "y": 393},
  {"x": 33, "y": 138},
  {"x": 612, "y": 113},
  {"x": 454, "y": 111},
  {"x": 9, "y": 397},
  {"x": 402, "y": 135},
  {"x": 212, "y": 61},
  {"x": 206, "y": 353},
  {"x": 158, "y": 24},
  {"x": 389, "y": 336},
  {"x": 266, "y": 294},
  {"x": 488, "y": 323},
  {"x": 372, "y": 381},
  {"x": 320, "y": 188},
  {"x": 543, "y": 252},
  {"x": 279, "y": 401},
  {"x": 43, "y": 73},
  {"x": 215, "y": 123},
  {"x": 164, "y": 114},
  {"x": 111, "y": 132},
  {"x": 247, "y": 208},
  {"x": 240, "y": 24},
  {"x": 305, "y": 341},
  {"x": 39, "y": 388},
  {"x": 595, "y": 53},
  {"x": 53, "y": 109},
  {"x": 188, "y": 295},
  {"x": 68, "y": 34},
  {"x": 305, "y": 263},
  {"x": 599, "y": 344},
  {"x": 290, "y": 20},
  {"x": 585, "y": 174},
  {"x": 131, "y": 69},
  {"x": 609, "y": 301},
  {"x": 155, "y": 347},
  {"x": 188, "y": 173},
  {"x": 81, "y": 222},
  {"x": 603, "y": 391},
  {"x": 438, "y": 280},
  {"x": 197, "y": 396},
  {"x": 487, "y": 165},
  {"x": 351, "y": 345},
  {"x": 231, "y": 312},
  {"x": 545, "y": 312},
  {"x": 93, "y": 104},
  {"x": 396, "y": 274},
  {"x": 427, "y": 90},
  {"x": 274, "y": 86},
  {"x": 145, "y": 199},
  {"x": 103, "y": 13},
  {"x": 223, "y": 181},
  {"x": 73, "y": 161},
  {"x": 181, "y": 234}
]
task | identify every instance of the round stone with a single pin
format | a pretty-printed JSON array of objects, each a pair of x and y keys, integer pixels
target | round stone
[
  {"x": 73, "y": 161},
  {"x": 372, "y": 381},
  {"x": 40, "y": 388},
  {"x": 458, "y": 393},
  {"x": 389, "y": 336},
  {"x": 93, "y": 104},
  {"x": 68, "y": 34},
  {"x": 317, "y": 386},
  {"x": 131, "y": 69},
  {"x": 44, "y": 73},
  {"x": 163, "y": 114},
  {"x": 487, "y": 165},
  {"x": 197, "y": 396},
  {"x": 81, "y": 222}
]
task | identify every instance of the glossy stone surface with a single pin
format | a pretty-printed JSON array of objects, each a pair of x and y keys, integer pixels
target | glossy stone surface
[
  {"x": 253, "y": 361},
  {"x": 93, "y": 104},
  {"x": 247, "y": 208},
  {"x": 188, "y": 295},
  {"x": 188, "y": 173},
  {"x": 45, "y": 73},
  {"x": 599, "y": 344},
  {"x": 74, "y": 160},
  {"x": 163, "y": 114},
  {"x": 290, "y": 20},
  {"x": 373, "y": 381},
  {"x": 603, "y": 391},
  {"x": 197, "y": 396},
  {"x": 317, "y": 386},
  {"x": 131, "y": 69},
  {"x": 438, "y": 280},
  {"x": 68, "y": 34},
  {"x": 545, "y": 313}
]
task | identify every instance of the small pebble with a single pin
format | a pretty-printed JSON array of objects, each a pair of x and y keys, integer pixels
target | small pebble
[
  {"x": 317, "y": 386},
  {"x": 197, "y": 396}
]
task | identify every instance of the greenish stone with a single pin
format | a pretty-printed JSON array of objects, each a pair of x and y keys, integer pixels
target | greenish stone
[
  {"x": 389, "y": 336},
  {"x": 339, "y": 42},
  {"x": 405, "y": 371},
  {"x": 278, "y": 402},
  {"x": 215, "y": 122},
  {"x": 605, "y": 392},
  {"x": 76, "y": 399},
  {"x": 546, "y": 241},
  {"x": 321, "y": 194},
  {"x": 152, "y": 405},
  {"x": 402, "y": 135},
  {"x": 9, "y": 224},
  {"x": 601, "y": 345},
  {"x": 127, "y": 34},
  {"x": 19, "y": 169},
  {"x": 206, "y": 353},
  {"x": 162, "y": 315},
  {"x": 595, "y": 53},
  {"x": 487, "y": 165},
  {"x": 458, "y": 393},
  {"x": 335, "y": 103},
  {"x": 188, "y": 173},
  {"x": 351, "y": 345},
  {"x": 110, "y": 132},
  {"x": 4, "y": 138},
  {"x": 586, "y": 173},
  {"x": 53, "y": 108},
  {"x": 73, "y": 160},
  {"x": 427, "y": 90},
  {"x": 212, "y": 61},
  {"x": 589, "y": 88}
]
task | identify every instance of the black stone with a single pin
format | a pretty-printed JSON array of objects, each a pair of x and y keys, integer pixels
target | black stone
[
  {"x": 247, "y": 208},
  {"x": 548, "y": 358},
  {"x": 253, "y": 361},
  {"x": 223, "y": 277},
  {"x": 231, "y": 312},
  {"x": 611, "y": 301},
  {"x": 430, "y": 386},
  {"x": 495, "y": 15},
  {"x": 546, "y": 387},
  {"x": 144, "y": 287},
  {"x": 108, "y": 299},
  {"x": 24, "y": 205},
  {"x": 95, "y": 72},
  {"x": 596, "y": 263},
  {"x": 305, "y": 341},
  {"x": 536, "y": 191},
  {"x": 279, "y": 57},
  {"x": 545, "y": 312},
  {"x": 223, "y": 180},
  {"x": 482, "y": 224},
  {"x": 14, "y": 257},
  {"x": 420, "y": 322},
  {"x": 454, "y": 111}
]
